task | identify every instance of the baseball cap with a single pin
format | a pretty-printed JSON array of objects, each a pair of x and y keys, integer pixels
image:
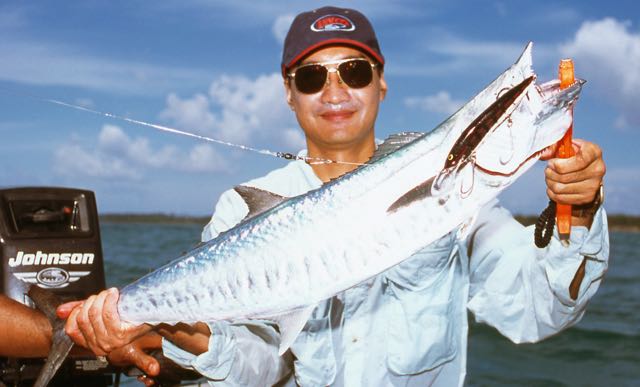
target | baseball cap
[{"x": 327, "y": 26}]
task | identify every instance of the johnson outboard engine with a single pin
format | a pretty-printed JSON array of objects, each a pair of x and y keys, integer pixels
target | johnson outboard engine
[{"x": 50, "y": 237}]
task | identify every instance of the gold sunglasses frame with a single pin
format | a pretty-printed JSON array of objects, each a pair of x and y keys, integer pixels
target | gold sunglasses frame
[{"x": 333, "y": 69}]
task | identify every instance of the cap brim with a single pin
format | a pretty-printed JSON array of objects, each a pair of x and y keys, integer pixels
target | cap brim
[{"x": 330, "y": 42}]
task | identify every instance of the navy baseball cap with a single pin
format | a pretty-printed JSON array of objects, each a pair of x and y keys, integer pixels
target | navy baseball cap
[{"x": 328, "y": 26}]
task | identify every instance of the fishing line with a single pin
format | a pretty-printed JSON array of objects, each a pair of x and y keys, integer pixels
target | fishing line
[{"x": 283, "y": 155}]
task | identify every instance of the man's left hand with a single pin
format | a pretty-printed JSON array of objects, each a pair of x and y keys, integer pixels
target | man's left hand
[{"x": 575, "y": 180}]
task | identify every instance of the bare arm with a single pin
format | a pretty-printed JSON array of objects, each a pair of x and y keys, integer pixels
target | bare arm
[
  {"x": 192, "y": 338},
  {"x": 25, "y": 331}
]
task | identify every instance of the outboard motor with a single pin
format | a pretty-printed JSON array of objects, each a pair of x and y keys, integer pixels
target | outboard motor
[{"x": 50, "y": 237}]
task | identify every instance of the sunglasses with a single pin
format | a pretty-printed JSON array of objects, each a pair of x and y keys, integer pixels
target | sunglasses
[{"x": 311, "y": 78}]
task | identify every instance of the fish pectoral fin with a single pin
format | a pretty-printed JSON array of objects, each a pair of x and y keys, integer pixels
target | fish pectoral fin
[
  {"x": 258, "y": 200},
  {"x": 290, "y": 325},
  {"x": 61, "y": 344},
  {"x": 418, "y": 192}
]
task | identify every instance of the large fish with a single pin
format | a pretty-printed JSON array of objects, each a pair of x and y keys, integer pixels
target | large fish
[{"x": 291, "y": 253}]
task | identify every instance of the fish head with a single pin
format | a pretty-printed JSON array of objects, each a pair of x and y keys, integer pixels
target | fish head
[{"x": 541, "y": 118}]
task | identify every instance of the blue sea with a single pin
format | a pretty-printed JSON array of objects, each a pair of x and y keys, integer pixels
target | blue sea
[{"x": 602, "y": 350}]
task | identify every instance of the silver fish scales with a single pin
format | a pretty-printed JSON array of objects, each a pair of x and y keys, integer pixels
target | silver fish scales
[
  {"x": 291, "y": 253},
  {"x": 294, "y": 252}
]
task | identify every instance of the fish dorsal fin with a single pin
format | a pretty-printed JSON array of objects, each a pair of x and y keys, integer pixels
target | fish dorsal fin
[
  {"x": 290, "y": 325},
  {"x": 392, "y": 143},
  {"x": 258, "y": 200}
]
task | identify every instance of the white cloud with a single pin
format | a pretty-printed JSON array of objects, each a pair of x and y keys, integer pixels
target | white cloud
[
  {"x": 281, "y": 27},
  {"x": 116, "y": 155},
  {"x": 74, "y": 160},
  {"x": 607, "y": 54},
  {"x": 203, "y": 158},
  {"x": 68, "y": 66},
  {"x": 440, "y": 102},
  {"x": 189, "y": 114},
  {"x": 240, "y": 110}
]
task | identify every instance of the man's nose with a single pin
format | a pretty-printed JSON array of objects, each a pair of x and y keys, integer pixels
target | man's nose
[{"x": 335, "y": 91}]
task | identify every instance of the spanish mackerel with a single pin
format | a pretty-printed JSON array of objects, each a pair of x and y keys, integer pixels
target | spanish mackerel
[{"x": 291, "y": 253}]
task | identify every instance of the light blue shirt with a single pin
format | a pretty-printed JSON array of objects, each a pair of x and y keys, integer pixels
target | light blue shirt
[{"x": 408, "y": 325}]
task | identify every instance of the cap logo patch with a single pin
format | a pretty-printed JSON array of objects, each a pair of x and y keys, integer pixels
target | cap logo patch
[{"x": 332, "y": 23}]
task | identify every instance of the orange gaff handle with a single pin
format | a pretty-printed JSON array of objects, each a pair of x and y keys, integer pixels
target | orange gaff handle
[{"x": 565, "y": 150}]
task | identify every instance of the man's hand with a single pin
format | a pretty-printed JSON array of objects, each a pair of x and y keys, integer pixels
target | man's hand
[
  {"x": 95, "y": 323},
  {"x": 575, "y": 180},
  {"x": 136, "y": 354}
]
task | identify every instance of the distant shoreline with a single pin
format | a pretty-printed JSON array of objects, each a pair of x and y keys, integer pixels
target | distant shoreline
[
  {"x": 617, "y": 222},
  {"x": 154, "y": 218}
]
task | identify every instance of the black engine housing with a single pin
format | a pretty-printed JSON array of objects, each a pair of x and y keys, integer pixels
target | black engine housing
[{"x": 50, "y": 237}]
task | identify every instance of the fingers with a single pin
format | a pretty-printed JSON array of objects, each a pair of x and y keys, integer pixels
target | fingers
[
  {"x": 64, "y": 310},
  {"x": 570, "y": 198},
  {"x": 146, "y": 363},
  {"x": 95, "y": 323},
  {"x": 73, "y": 330},
  {"x": 147, "y": 381},
  {"x": 133, "y": 354},
  {"x": 86, "y": 326},
  {"x": 136, "y": 354},
  {"x": 576, "y": 180},
  {"x": 98, "y": 326},
  {"x": 587, "y": 154}
]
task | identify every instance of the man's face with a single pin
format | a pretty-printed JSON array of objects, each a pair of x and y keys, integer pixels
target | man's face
[{"x": 338, "y": 116}]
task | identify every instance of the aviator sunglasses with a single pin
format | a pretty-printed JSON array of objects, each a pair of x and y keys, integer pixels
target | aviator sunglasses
[{"x": 311, "y": 78}]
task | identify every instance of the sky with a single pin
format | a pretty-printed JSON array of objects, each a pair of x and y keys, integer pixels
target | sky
[{"x": 212, "y": 68}]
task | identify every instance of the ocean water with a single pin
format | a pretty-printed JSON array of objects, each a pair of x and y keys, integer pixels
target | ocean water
[{"x": 601, "y": 350}]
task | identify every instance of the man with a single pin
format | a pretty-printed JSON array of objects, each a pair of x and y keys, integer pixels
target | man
[{"x": 408, "y": 325}]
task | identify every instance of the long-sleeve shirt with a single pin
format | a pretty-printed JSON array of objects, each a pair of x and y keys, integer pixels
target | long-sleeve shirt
[{"x": 408, "y": 325}]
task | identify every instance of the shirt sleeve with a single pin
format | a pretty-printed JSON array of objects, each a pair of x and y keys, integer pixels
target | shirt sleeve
[
  {"x": 229, "y": 211},
  {"x": 522, "y": 290},
  {"x": 238, "y": 354}
]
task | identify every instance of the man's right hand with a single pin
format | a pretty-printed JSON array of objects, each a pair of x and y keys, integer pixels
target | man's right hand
[
  {"x": 95, "y": 323},
  {"x": 136, "y": 354}
]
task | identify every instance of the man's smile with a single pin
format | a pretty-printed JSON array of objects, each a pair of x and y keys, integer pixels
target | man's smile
[{"x": 337, "y": 115}]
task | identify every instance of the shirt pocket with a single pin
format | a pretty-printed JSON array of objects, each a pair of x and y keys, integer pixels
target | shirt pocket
[
  {"x": 422, "y": 333},
  {"x": 424, "y": 269},
  {"x": 315, "y": 363}
]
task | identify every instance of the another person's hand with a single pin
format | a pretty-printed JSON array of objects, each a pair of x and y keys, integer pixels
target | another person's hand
[
  {"x": 95, "y": 323},
  {"x": 136, "y": 354},
  {"x": 575, "y": 180}
]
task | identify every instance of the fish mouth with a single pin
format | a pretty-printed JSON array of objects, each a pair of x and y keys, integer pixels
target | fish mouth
[
  {"x": 534, "y": 156},
  {"x": 543, "y": 143}
]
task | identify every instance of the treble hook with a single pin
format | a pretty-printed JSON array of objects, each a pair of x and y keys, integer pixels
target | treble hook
[
  {"x": 465, "y": 193},
  {"x": 510, "y": 126}
]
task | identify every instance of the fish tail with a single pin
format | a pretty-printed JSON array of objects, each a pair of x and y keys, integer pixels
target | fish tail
[{"x": 61, "y": 344}]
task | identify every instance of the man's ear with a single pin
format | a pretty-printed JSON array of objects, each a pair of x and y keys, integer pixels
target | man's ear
[
  {"x": 288, "y": 93},
  {"x": 383, "y": 87}
]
